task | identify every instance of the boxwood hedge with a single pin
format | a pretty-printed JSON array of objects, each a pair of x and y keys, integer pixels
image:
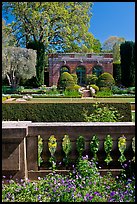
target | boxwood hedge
[{"x": 56, "y": 112}]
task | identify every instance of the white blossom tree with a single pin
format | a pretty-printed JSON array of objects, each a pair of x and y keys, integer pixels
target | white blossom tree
[{"x": 18, "y": 63}]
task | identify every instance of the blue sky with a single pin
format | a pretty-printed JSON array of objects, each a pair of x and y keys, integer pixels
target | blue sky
[{"x": 113, "y": 19}]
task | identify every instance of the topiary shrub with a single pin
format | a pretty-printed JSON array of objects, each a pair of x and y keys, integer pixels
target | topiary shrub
[
  {"x": 94, "y": 87},
  {"x": 105, "y": 80},
  {"x": 65, "y": 81},
  {"x": 76, "y": 87},
  {"x": 91, "y": 79},
  {"x": 75, "y": 78}
]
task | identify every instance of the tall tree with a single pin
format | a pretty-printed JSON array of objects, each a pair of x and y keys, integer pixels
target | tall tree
[
  {"x": 8, "y": 39},
  {"x": 96, "y": 46},
  {"x": 18, "y": 63},
  {"x": 59, "y": 26},
  {"x": 111, "y": 41},
  {"x": 127, "y": 52}
]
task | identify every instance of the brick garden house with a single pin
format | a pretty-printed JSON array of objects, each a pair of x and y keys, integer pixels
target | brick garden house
[{"x": 79, "y": 63}]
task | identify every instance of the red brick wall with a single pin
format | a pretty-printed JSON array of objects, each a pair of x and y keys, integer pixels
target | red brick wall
[{"x": 54, "y": 68}]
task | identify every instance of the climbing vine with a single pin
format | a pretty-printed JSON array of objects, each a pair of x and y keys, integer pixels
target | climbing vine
[
  {"x": 40, "y": 148},
  {"x": 133, "y": 147},
  {"x": 94, "y": 146},
  {"x": 66, "y": 145},
  {"x": 108, "y": 143},
  {"x": 122, "y": 147},
  {"x": 52, "y": 144},
  {"x": 80, "y": 145}
]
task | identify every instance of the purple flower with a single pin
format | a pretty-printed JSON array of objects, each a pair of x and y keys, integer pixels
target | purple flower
[{"x": 112, "y": 193}]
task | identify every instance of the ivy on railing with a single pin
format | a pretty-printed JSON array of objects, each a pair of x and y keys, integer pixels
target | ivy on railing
[
  {"x": 122, "y": 147},
  {"x": 40, "y": 148},
  {"x": 52, "y": 144},
  {"x": 108, "y": 143},
  {"x": 94, "y": 146},
  {"x": 80, "y": 145},
  {"x": 133, "y": 147},
  {"x": 66, "y": 145}
]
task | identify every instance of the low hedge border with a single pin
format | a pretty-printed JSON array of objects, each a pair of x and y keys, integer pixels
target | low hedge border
[{"x": 57, "y": 112}]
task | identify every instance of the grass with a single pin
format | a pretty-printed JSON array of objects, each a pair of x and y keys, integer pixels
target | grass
[{"x": 78, "y": 100}]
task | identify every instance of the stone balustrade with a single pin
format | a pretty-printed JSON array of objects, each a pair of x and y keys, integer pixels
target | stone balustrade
[{"x": 20, "y": 144}]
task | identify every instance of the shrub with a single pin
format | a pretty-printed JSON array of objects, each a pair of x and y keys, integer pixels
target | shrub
[
  {"x": 73, "y": 88},
  {"x": 103, "y": 114},
  {"x": 57, "y": 112},
  {"x": 91, "y": 79},
  {"x": 75, "y": 78},
  {"x": 65, "y": 81},
  {"x": 71, "y": 93},
  {"x": 117, "y": 72},
  {"x": 118, "y": 90},
  {"x": 95, "y": 87},
  {"x": 105, "y": 80},
  {"x": 104, "y": 93}
]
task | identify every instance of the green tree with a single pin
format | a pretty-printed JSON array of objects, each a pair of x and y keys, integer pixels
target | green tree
[
  {"x": 127, "y": 52},
  {"x": 111, "y": 41},
  {"x": 60, "y": 26},
  {"x": 7, "y": 38},
  {"x": 18, "y": 63},
  {"x": 96, "y": 46}
]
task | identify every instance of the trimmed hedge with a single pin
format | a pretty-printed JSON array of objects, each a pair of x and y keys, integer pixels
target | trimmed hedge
[{"x": 57, "y": 112}]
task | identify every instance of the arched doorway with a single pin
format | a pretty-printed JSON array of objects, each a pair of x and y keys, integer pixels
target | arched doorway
[
  {"x": 81, "y": 74},
  {"x": 97, "y": 70}
]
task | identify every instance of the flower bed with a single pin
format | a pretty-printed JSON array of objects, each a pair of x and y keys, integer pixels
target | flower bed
[{"x": 85, "y": 184}]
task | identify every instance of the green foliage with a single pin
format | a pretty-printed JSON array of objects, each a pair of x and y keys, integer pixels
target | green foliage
[
  {"x": 40, "y": 64},
  {"x": 133, "y": 147},
  {"x": 127, "y": 52},
  {"x": 103, "y": 114},
  {"x": 65, "y": 81},
  {"x": 94, "y": 87},
  {"x": 110, "y": 42},
  {"x": 104, "y": 92},
  {"x": 66, "y": 145},
  {"x": 122, "y": 147},
  {"x": 108, "y": 144},
  {"x": 18, "y": 63},
  {"x": 117, "y": 72},
  {"x": 96, "y": 46},
  {"x": 40, "y": 148},
  {"x": 59, "y": 112},
  {"x": 105, "y": 80},
  {"x": 8, "y": 39},
  {"x": 91, "y": 79},
  {"x": 75, "y": 78},
  {"x": 72, "y": 93},
  {"x": 52, "y": 144},
  {"x": 68, "y": 31},
  {"x": 94, "y": 146},
  {"x": 87, "y": 168},
  {"x": 86, "y": 185},
  {"x": 118, "y": 90},
  {"x": 80, "y": 146}
]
